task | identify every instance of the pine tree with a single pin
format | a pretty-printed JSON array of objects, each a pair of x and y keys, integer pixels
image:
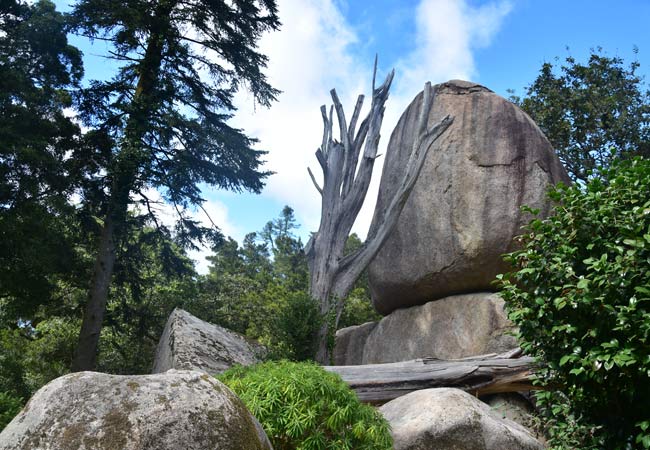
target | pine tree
[
  {"x": 164, "y": 116},
  {"x": 38, "y": 68}
]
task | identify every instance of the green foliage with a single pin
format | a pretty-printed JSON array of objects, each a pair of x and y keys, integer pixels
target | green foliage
[
  {"x": 591, "y": 112},
  {"x": 581, "y": 299},
  {"x": 38, "y": 68},
  {"x": 9, "y": 407},
  {"x": 294, "y": 329},
  {"x": 302, "y": 407}
]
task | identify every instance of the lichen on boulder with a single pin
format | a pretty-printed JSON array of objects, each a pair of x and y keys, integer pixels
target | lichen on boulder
[{"x": 175, "y": 410}]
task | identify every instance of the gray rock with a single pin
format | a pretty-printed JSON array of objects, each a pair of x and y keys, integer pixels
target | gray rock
[
  {"x": 187, "y": 410},
  {"x": 189, "y": 343},
  {"x": 516, "y": 407},
  {"x": 451, "y": 419},
  {"x": 464, "y": 210},
  {"x": 349, "y": 344},
  {"x": 450, "y": 328}
]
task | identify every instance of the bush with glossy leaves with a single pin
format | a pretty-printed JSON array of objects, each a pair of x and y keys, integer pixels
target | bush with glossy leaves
[{"x": 580, "y": 296}]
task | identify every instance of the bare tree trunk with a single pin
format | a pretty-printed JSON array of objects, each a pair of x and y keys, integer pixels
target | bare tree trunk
[{"x": 346, "y": 178}]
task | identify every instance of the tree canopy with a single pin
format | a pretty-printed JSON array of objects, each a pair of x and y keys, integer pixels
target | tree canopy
[
  {"x": 592, "y": 112},
  {"x": 163, "y": 119}
]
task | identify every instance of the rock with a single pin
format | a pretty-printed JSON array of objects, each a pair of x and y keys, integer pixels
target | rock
[
  {"x": 450, "y": 328},
  {"x": 189, "y": 343},
  {"x": 515, "y": 407},
  {"x": 451, "y": 419},
  {"x": 175, "y": 410},
  {"x": 350, "y": 342},
  {"x": 464, "y": 210}
]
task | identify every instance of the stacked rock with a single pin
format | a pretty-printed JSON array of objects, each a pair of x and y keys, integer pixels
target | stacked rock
[{"x": 433, "y": 278}]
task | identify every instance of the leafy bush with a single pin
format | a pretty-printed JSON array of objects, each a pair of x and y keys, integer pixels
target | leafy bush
[
  {"x": 303, "y": 407},
  {"x": 581, "y": 299},
  {"x": 293, "y": 334},
  {"x": 9, "y": 407}
]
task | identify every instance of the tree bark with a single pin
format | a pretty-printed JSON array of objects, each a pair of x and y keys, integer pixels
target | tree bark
[
  {"x": 478, "y": 375},
  {"x": 346, "y": 178},
  {"x": 91, "y": 326}
]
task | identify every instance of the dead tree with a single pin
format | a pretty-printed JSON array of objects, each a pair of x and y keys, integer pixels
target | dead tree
[{"x": 346, "y": 177}]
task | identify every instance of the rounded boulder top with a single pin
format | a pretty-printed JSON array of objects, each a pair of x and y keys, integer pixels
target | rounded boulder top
[
  {"x": 178, "y": 409},
  {"x": 465, "y": 207}
]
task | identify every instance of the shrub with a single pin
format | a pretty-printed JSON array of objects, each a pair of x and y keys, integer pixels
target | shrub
[
  {"x": 303, "y": 407},
  {"x": 581, "y": 299},
  {"x": 9, "y": 407}
]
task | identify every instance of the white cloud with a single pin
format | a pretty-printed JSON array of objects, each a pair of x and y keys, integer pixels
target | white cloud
[
  {"x": 448, "y": 31},
  {"x": 217, "y": 213},
  {"x": 310, "y": 55},
  {"x": 314, "y": 51}
]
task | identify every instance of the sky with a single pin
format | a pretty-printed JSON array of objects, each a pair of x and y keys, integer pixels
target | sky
[{"x": 325, "y": 44}]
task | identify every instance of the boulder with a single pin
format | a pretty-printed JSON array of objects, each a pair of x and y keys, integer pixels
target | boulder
[
  {"x": 189, "y": 343},
  {"x": 451, "y": 419},
  {"x": 454, "y": 327},
  {"x": 464, "y": 210},
  {"x": 516, "y": 407},
  {"x": 175, "y": 410},
  {"x": 350, "y": 342}
]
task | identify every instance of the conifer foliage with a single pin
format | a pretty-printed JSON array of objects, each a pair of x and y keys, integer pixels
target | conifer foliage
[{"x": 162, "y": 119}]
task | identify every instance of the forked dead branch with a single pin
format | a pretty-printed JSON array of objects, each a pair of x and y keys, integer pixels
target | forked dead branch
[{"x": 347, "y": 171}]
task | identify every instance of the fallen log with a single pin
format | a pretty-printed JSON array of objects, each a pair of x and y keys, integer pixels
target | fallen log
[{"x": 478, "y": 375}]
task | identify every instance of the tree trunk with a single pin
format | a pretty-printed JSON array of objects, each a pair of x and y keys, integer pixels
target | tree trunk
[
  {"x": 479, "y": 375},
  {"x": 91, "y": 326},
  {"x": 346, "y": 178}
]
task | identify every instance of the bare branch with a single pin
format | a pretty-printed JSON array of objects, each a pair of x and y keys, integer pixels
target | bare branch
[
  {"x": 355, "y": 116},
  {"x": 313, "y": 179},
  {"x": 340, "y": 115},
  {"x": 326, "y": 131}
]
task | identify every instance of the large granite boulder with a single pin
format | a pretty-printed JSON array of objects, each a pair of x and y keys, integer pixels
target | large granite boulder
[
  {"x": 175, "y": 410},
  {"x": 451, "y": 419},
  {"x": 449, "y": 328},
  {"x": 189, "y": 343},
  {"x": 464, "y": 210}
]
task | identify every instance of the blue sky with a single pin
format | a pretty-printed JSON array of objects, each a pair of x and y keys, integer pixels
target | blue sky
[{"x": 331, "y": 43}]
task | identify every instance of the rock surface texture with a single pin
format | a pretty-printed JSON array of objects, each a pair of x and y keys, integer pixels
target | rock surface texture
[
  {"x": 515, "y": 407},
  {"x": 187, "y": 410},
  {"x": 464, "y": 210},
  {"x": 189, "y": 343},
  {"x": 450, "y": 328},
  {"x": 450, "y": 419}
]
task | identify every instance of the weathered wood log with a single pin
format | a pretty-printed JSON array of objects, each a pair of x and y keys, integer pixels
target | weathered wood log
[{"x": 478, "y": 375}]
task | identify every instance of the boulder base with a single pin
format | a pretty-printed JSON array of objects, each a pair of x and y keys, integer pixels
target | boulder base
[
  {"x": 516, "y": 407},
  {"x": 450, "y": 419},
  {"x": 189, "y": 343},
  {"x": 450, "y": 328},
  {"x": 464, "y": 210},
  {"x": 175, "y": 410}
]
